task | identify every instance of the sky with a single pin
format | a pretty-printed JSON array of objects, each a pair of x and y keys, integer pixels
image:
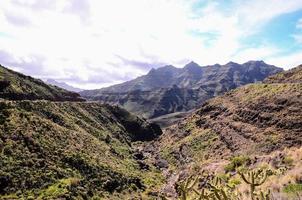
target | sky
[{"x": 95, "y": 43}]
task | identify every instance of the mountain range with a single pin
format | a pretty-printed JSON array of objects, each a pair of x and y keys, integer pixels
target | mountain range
[
  {"x": 63, "y": 85},
  {"x": 169, "y": 89}
]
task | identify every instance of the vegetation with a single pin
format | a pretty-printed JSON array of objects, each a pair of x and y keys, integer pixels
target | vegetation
[
  {"x": 215, "y": 188},
  {"x": 236, "y": 162},
  {"x": 255, "y": 179},
  {"x": 293, "y": 188},
  {"x": 52, "y": 150},
  {"x": 252, "y": 181}
]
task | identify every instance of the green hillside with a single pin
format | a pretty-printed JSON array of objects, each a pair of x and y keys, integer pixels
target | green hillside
[
  {"x": 71, "y": 150},
  {"x": 17, "y": 86}
]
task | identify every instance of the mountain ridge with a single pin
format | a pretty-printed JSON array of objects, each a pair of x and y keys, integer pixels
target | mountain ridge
[
  {"x": 17, "y": 86},
  {"x": 169, "y": 89}
]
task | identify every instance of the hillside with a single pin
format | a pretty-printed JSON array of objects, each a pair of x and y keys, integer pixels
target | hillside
[
  {"x": 72, "y": 150},
  {"x": 254, "y": 121},
  {"x": 168, "y": 89},
  {"x": 16, "y": 86},
  {"x": 260, "y": 117}
]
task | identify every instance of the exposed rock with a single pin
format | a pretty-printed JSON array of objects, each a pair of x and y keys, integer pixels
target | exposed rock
[
  {"x": 161, "y": 163},
  {"x": 143, "y": 165}
]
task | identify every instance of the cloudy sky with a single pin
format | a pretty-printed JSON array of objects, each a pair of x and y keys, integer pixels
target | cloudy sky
[{"x": 95, "y": 43}]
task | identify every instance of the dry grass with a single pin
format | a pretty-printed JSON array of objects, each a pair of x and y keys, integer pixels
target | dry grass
[{"x": 277, "y": 183}]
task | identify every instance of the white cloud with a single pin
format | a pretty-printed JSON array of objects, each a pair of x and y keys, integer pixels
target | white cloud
[
  {"x": 287, "y": 61},
  {"x": 83, "y": 42},
  {"x": 298, "y": 36},
  {"x": 259, "y": 53},
  {"x": 299, "y": 24},
  {"x": 256, "y": 13}
]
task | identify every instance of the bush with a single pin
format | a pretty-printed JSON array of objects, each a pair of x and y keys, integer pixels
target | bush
[
  {"x": 293, "y": 188},
  {"x": 288, "y": 161},
  {"x": 234, "y": 182},
  {"x": 236, "y": 162}
]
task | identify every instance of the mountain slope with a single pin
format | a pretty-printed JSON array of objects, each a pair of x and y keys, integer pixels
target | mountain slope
[
  {"x": 291, "y": 76},
  {"x": 256, "y": 118},
  {"x": 16, "y": 86},
  {"x": 67, "y": 150},
  {"x": 169, "y": 89},
  {"x": 256, "y": 125}
]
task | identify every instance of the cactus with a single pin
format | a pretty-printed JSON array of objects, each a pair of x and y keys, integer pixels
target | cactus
[
  {"x": 215, "y": 188},
  {"x": 254, "y": 178},
  {"x": 187, "y": 186},
  {"x": 203, "y": 195},
  {"x": 221, "y": 191},
  {"x": 264, "y": 195}
]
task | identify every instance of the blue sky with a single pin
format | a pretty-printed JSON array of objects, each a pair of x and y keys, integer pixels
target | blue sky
[{"x": 96, "y": 43}]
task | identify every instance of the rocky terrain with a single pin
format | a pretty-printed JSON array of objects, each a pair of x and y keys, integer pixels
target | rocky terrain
[
  {"x": 252, "y": 123},
  {"x": 169, "y": 89},
  {"x": 17, "y": 86}
]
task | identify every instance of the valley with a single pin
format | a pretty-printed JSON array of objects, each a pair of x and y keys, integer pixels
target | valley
[{"x": 55, "y": 144}]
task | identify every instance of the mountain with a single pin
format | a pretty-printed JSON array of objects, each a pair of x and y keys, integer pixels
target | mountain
[
  {"x": 257, "y": 123},
  {"x": 63, "y": 85},
  {"x": 169, "y": 89},
  {"x": 16, "y": 86}
]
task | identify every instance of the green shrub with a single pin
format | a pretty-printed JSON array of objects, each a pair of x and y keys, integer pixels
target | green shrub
[
  {"x": 236, "y": 162},
  {"x": 293, "y": 188},
  {"x": 234, "y": 182},
  {"x": 288, "y": 161}
]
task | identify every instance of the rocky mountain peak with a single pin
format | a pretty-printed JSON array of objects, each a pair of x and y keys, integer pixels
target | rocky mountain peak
[
  {"x": 232, "y": 63},
  {"x": 164, "y": 69},
  {"x": 192, "y": 66},
  {"x": 256, "y": 62}
]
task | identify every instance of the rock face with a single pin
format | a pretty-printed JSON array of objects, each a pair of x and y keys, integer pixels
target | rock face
[
  {"x": 256, "y": 118},
  {"x": 168, "y": 89},
  {"x": 16, "y": 86}
]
